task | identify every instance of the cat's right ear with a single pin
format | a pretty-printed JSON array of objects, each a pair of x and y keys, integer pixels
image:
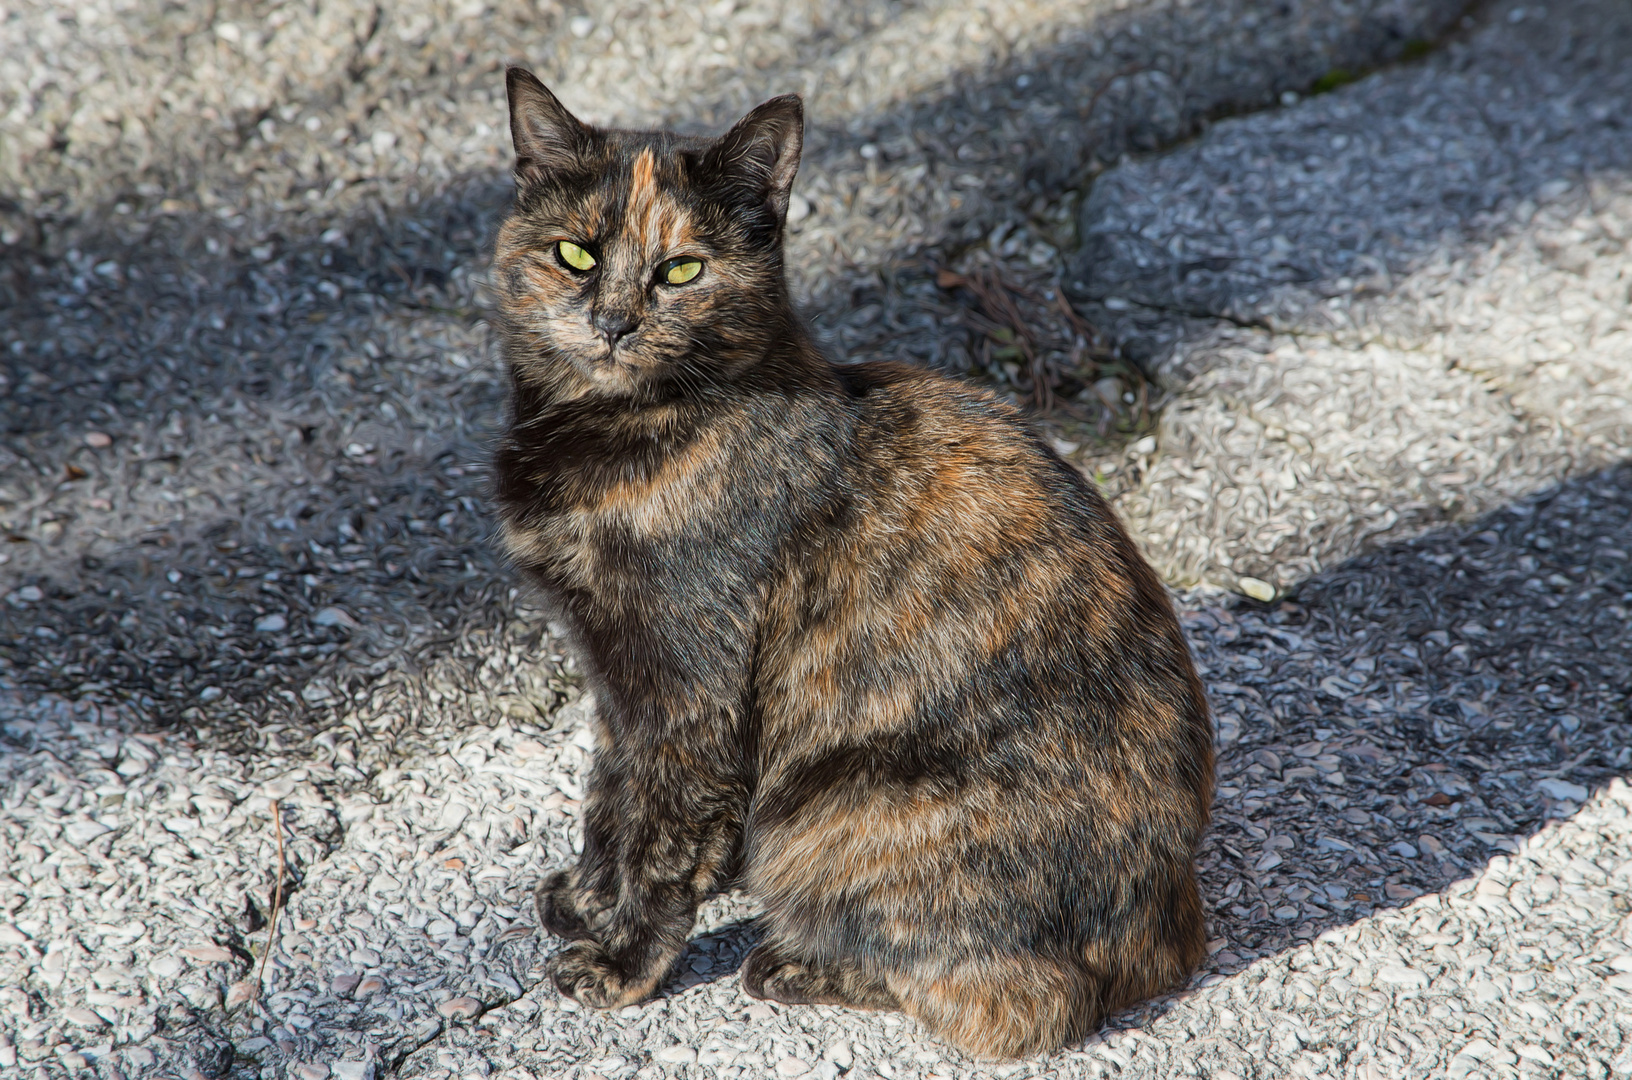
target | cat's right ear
[{"x": 548, "y": 138}]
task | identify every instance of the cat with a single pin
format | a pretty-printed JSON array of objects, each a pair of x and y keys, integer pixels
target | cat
[{"x": 858, "y": 639}]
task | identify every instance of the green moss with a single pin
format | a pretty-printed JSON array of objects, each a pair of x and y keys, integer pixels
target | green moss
[
  {"x": 1332, "y": 80},
  {"x": 1416, "y": 49}
]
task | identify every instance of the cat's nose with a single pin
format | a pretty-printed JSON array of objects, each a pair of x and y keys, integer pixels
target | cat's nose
[{"x": 614, "y": 326}]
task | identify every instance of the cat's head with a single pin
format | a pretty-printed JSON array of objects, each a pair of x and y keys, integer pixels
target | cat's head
[{"x": 635, "y": 261}]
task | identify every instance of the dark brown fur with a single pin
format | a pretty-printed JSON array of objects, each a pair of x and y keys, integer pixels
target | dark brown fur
[{"x": 855, "y": 633}]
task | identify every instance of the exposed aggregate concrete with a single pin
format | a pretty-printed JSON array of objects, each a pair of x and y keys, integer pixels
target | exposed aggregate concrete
[{"x": 1377, "y": 346}]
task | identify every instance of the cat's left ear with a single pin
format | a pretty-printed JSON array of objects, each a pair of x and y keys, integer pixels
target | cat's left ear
[{"x": 759, "y": 157}]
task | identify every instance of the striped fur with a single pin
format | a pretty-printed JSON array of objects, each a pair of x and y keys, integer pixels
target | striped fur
[{"x": 858, "y": 638}]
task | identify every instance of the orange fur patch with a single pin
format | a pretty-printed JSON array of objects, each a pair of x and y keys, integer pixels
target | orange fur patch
[{"x": 641, "y": 217}]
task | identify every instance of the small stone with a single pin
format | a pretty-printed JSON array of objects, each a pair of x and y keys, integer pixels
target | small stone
[
  {"x": 164, "y": 967},
  {"x": 240, "y": 993},
  {"x": 1257, "y": 588},
  {"x": 202, "y": 997},
  {"x": 82, "y": 1017},
  {"x": 310, "y": 1070},
  {"x": 211, "y": 693},
  {"x": 1395, "y": 891},
  {"x": 30, "y": 594},
  {"x": 1483, "y": 1050},
  {"x": 345, "y": 983},
  {"x": 83, "y": 832},
  {"x": 208, "y": 954},
  {"x": 271, "y": 624},
  {"x": 790, "y": 1067},
  {"x": 581, "y": 26},
  {"x": 1534, "y": 1053},
  {"x": 677, "y": 1055},
  {"x": 371, "y": 984},
  {"x": 98, "y": 440},
  {"x": 352, "y": 1070},
  {"x": 1401, "y": 976},
  {"x": 1564, "y": 790},
  {"x": 460, "y": 1008},
  {"x": 333, "y": 616}
]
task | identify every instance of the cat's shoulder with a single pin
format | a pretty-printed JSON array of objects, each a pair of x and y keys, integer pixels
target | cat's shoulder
[
  {"x": 911, "y": 403},
  {"x": 894, "y": 383}
]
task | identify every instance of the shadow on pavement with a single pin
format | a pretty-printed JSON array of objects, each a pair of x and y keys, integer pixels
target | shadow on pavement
[
  {"x": 298, "y": 421},
  {"x": 1417, "y": 710}
]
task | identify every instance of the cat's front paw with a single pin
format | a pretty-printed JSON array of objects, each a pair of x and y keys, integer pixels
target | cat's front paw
[
  {"x": 565, "y": 909},
  {"x": 585, "y": 972}
]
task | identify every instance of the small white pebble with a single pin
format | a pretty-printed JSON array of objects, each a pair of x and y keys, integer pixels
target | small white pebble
[{"x": 460, "y": 1008}]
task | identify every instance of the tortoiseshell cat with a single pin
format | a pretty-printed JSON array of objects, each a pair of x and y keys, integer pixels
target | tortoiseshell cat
[{"x": 857, "y": 637}]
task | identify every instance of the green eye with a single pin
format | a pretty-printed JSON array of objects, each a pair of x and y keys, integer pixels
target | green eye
[
  {"x": 680, "y": 271},
  {"x": 575, "y": 256}
]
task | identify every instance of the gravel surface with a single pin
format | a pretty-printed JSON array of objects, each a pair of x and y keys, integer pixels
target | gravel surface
[
  {"x": 1376, "y": 343},
  {"x": 1382, "y": 309}
]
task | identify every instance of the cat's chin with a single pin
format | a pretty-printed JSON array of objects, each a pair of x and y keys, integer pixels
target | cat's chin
[{"x": 609, "y": 373}]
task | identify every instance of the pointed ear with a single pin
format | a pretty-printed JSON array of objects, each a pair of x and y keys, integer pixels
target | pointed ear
[
  {"x": 760, "y": 156},
  {"x": 547, "y": 137}
]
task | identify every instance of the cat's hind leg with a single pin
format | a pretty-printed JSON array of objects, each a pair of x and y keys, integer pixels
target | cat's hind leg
[{"x": 770, "y": 973}]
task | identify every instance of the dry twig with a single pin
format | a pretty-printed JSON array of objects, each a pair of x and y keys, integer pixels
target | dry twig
[
  {"x": 277, "y": 898},
  {"x": 999, "y": 318}
]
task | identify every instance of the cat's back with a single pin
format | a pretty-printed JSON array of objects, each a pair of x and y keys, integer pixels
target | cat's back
[
  {"x": 977, "y": 584},
  {"x": 956, "y": 466}
]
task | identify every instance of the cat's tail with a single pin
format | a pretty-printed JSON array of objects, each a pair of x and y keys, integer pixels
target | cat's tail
[
  {"x": 1016, "y": 1005},
  {"x": 1004, "y": 1007}
]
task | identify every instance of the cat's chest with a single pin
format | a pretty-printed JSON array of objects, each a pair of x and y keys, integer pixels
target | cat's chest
[{"x": 623, "y": 529}]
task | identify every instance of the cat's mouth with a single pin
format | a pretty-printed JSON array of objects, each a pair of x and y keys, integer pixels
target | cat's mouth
[
  {"x": 613, "y": 367},
  {"x": 615, "y": 357}
]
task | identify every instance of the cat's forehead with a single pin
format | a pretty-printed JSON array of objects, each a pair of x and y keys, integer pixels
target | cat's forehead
[{"x": 639, "y": 200}]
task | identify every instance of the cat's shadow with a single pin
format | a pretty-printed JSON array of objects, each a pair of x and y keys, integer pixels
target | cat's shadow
[
  {"x": 711, "y": 957},
  {"x": 1401, "y": 717}
]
